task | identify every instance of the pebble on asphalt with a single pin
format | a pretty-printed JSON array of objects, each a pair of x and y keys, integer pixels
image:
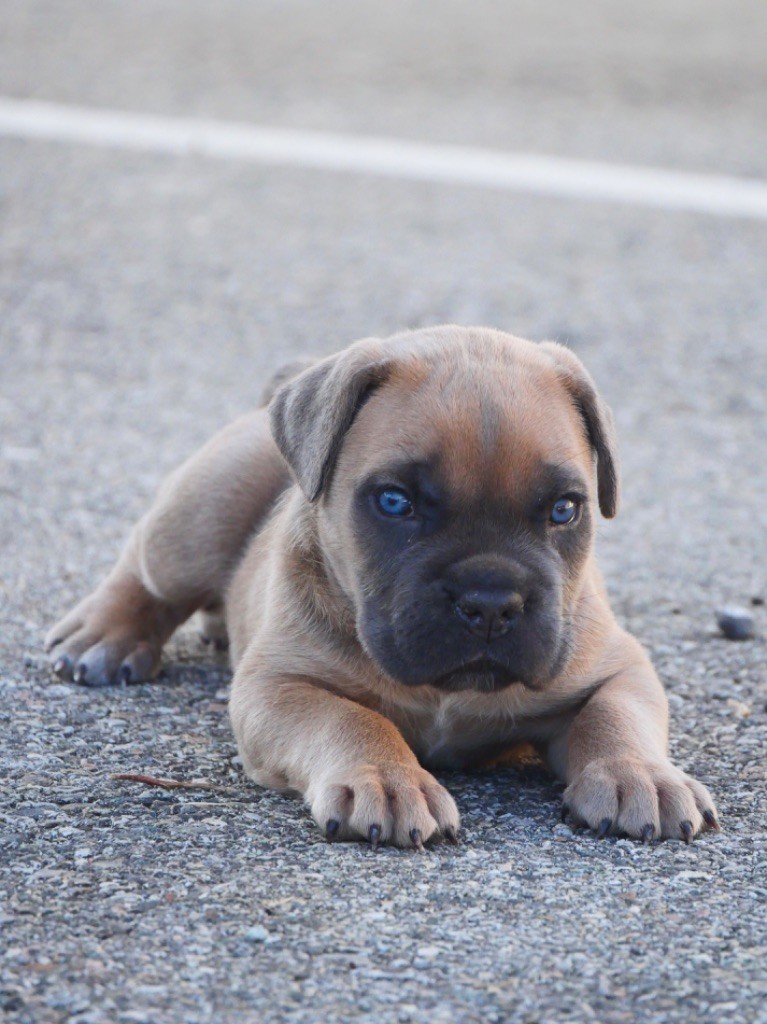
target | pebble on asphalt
[{"x": 735, "y": 622}]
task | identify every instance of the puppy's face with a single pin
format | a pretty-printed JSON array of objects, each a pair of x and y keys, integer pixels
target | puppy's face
[{"x": 459, "y": 513}]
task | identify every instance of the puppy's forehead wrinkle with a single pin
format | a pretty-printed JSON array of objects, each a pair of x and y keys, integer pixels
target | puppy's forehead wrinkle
[{"x": 492, "y": 407}]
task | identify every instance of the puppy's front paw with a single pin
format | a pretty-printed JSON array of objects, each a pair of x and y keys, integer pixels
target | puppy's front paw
[
  {"x": 397, "y": 803},
  {"x": 643, "y": 799}
]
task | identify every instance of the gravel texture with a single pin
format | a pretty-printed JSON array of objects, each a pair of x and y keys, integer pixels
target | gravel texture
[{"x": 143, "y": 302}]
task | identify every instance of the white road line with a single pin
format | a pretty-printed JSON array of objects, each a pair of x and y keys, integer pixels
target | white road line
[{"x": 391, "y": 158}]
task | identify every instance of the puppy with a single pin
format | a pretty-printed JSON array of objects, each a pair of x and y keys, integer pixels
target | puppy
[{"x": 400, "y": 549}]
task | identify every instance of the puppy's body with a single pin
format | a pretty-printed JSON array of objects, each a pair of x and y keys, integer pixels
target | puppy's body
[{"x": 370, "y": 645}]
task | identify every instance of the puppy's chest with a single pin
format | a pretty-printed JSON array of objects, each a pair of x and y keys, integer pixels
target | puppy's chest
[
  {"x": 445, "y": 735},
  {"x": 458, "y": 730}
]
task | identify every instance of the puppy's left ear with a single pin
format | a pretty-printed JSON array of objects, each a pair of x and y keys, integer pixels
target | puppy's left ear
[
  {"x": 311, "y": 413},
  {"x": 598, "y": 420}
]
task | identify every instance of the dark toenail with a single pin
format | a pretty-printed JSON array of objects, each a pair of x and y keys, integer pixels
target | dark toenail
[
  {"x": 710, "y": 819},
  {"x": 647, "y": 833},
  {"x": 604, "y": 827},
  {"x": 416, "y": 840},
  {"x": 450, "y": 835}
]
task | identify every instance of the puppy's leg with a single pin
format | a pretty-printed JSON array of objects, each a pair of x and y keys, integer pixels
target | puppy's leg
[
  {"x": 352, "y": 765},
  {"x": 614, "y": 759},
  {"x": 178, "y": 558}
]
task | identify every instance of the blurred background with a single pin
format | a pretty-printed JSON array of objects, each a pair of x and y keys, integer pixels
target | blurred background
[{"x": 145, "y": 296}]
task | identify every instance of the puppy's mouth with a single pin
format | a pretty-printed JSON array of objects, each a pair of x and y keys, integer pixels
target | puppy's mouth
[
  {"x": 488, "y": 672},
  {"x": 482, "y": 673},
  {"x": 451, "y": 662}
]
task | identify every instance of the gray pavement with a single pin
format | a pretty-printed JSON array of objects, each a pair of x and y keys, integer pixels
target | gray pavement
[
  {"x": 674, "y": 82},
  {"x": 143, "y": 300}
]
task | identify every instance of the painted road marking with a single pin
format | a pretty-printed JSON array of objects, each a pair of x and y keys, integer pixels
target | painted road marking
[{"x": 392, "y": 158}]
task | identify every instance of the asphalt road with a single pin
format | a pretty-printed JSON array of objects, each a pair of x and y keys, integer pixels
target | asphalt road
[{"x": 144, "y": 298}]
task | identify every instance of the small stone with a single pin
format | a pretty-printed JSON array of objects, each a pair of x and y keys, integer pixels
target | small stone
[
  {"x": 429, "y": 952},
  {"x": 735, "y": 622},
  {"x": 738, "y": 708},
  {"x": 256, "y": 934}
]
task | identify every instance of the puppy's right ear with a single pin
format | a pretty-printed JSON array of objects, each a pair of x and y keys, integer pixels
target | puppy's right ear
[{"x": 311, "y": 413}]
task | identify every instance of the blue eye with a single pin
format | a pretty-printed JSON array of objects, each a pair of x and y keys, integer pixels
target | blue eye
[
  {"x": 394, "y": 502},
  {"x": 564, "y": 511}
]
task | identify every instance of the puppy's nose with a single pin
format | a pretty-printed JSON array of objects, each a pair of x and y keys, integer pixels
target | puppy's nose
[{"x": 489, "y": 613}]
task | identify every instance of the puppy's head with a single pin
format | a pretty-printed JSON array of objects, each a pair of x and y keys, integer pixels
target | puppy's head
[{"x": 453, "y": 472}]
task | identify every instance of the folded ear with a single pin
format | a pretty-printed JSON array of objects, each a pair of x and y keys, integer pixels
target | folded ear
[
  {"x": 598, "y": 420},
  {"x": 311, "y": 413}
]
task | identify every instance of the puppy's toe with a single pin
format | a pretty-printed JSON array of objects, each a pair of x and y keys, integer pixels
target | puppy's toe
[
  {"x": 97, "y": 666},
  {"x": 62, "y": 665},
  {"x": 370, "y": 814},
  {"x": 331, "y": 807},
  {"x": 442, "y": 808},
  {"x": 413, "y": 824},
  {"x": 140, "y": 665},
  {"x": 683, "y": 802},
  {"x": 592, "y": 798},
  {"x": 63, "y": 630},
  {"x": 638, "y": 814},
  {"x": 65, "y": 655},
  {"x": 704, "y": 802}
]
